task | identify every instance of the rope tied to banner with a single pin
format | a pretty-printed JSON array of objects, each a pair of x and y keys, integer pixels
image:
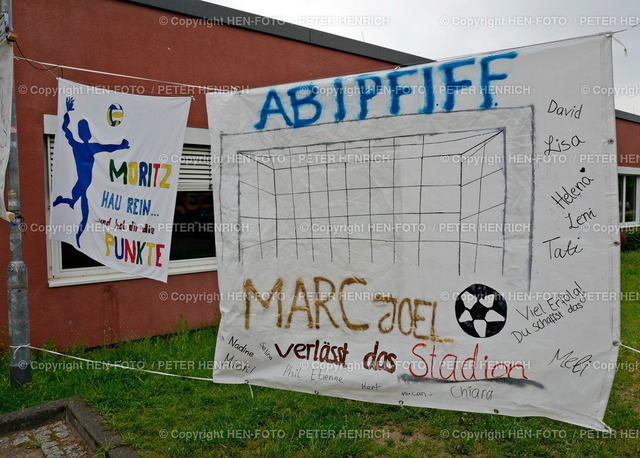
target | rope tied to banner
[
  {"x": 54, "y": 66},
  {"x": 15, "y": 348},
  {"x": 625, "y": 346},
  {"x": 613, "y": 35},
  {"x": 250, "y": 389}
]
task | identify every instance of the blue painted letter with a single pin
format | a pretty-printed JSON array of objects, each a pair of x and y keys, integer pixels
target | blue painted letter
[
  {"x": 309, "y": 99},
  {"x": 451, "y": 85},
  {"x": 486, "y": 77},
  {"x": 429, "y": 97},
  {"x": 272, "y": 96},
  {"x": 367, "y": 93},
  {"x": 397, "y": 91},
  {"x": 341, "y": 111}
]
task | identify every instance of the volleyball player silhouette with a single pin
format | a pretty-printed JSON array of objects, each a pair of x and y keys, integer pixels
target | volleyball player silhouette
[{"x": 83, "y": 153}]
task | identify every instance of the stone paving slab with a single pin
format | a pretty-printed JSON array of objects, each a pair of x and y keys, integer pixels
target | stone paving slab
[
  {"x": 64, "y": 428},
  {"x": 54, "y": 439}
]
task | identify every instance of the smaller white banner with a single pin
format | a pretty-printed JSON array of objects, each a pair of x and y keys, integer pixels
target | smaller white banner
[
  {"x": 6, "y": 90},
  {"x": 114, "y": 188}
]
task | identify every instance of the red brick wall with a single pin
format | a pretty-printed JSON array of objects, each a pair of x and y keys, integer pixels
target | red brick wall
[
  {"x": 126, "y": 38},
  {"x": 628, "y": 137}
]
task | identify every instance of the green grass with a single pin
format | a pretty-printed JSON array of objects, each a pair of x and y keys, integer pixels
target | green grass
[{"x": 154, "y": 414}]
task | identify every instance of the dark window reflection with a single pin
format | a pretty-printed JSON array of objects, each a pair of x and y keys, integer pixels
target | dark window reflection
[
  {"x": 193, "y": 229},
  {"x": 193, "y": 232}
]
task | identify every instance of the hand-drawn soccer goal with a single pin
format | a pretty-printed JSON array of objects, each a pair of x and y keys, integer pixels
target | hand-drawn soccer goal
[{"x": 445, "y": 189}]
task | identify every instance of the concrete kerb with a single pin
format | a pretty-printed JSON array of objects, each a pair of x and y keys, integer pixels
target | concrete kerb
[{"x": 90, "y": 427}]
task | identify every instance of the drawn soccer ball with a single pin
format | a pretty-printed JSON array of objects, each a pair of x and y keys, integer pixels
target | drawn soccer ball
[
  {"x": 481, "y": 311},
  {"x": 115, "y": 113}
]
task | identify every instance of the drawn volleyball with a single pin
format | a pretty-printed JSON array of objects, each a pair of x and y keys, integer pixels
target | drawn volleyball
[
  {"x": 481, "y": 311},
  {"x": 115, "y": 114}
]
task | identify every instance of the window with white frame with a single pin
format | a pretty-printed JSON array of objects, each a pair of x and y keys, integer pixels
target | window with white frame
[
  {"x": 192, "y": 244},
  {"x": 628, "y": 188}
]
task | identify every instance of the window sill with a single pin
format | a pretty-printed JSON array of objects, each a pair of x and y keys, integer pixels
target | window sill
[{"x": 91, "y": 275}]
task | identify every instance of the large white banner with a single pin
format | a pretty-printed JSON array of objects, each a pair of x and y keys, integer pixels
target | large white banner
[
  {"x": 114, "y": 184},
  {"x": 6, "y": 92},
  {"x": 441, "y": 236}
]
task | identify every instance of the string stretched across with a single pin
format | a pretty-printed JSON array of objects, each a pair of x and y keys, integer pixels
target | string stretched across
[
  {"x": 629, "y": 348},
  {"x": 16, "y": 348},
  {"x": 209, "y": 88}
]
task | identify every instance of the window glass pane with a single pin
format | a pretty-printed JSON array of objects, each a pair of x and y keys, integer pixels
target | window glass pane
[
  {"x": 193, "y": 232},
  {"x": 620, "y": 197},
  {"x": 74, "y": 259},
  {"x": 630, "y": 198},
  {"x": 193, "y": 229}
]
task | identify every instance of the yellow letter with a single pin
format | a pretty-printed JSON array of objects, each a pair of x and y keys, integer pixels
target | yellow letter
[
  {"x": 108, "y": 241},
  {"x": 163, "y": 182}
]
